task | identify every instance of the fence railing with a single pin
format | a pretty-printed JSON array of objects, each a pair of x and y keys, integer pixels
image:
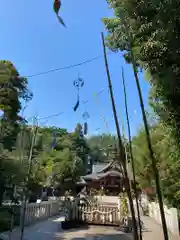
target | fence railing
[
  {"x": 40, "y": 211},
  {"x": 171, "y": 216},
  {"x": 93, "y": 214}
]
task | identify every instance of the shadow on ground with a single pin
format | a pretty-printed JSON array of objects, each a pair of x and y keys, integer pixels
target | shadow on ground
[
  {"x": 93, "y": 233},
  {"x": 114, "y": 236},
  {"x": 51, "y": 229}
]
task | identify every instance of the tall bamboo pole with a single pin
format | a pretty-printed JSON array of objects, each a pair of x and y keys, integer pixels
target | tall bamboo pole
[
  {"x": 121, "y": 153},
  {"x": 131, "y": 154},
  {"x": 34, "y": 134},
  {"x": 148, "y": 137}
]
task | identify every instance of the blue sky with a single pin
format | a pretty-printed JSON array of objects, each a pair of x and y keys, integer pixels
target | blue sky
[{"x": 34, "y": 41}]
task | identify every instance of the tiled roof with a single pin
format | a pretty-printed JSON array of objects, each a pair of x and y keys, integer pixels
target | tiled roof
[
  {"x": 81, "y": 181},
  {"x": 102, "y": 170},
  {"x": 101, "y": 167},
  {"x": 101, "y": 175},
  {"x": 96, "y": 168}
]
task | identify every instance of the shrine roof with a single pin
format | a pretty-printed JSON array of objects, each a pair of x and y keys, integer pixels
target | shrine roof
[
  {"x": 97, "y": 168},
  {"x": 102, "y": 170},
  {"x": 81, "y": 181},
  {"x": 97, "y": 176}
]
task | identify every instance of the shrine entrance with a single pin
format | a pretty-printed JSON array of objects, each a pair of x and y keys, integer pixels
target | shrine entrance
[{"x": 99, "y": 215}]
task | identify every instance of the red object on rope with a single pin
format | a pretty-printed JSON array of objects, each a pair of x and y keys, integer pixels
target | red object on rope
[{"x": 57, "y": 6}]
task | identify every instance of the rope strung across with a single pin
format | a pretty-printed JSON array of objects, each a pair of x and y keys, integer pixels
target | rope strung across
[{"x": 98, "y": 211}]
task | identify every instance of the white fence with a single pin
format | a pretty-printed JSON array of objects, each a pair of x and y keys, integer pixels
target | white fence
[
  {"x": 98, "y": 198},
  {"x": 63, "y": 198},
  {"x": 115, "y": 201},
  {"x": 40, "y": 211},
  {"x": 94, "y": 214},
  {"x": 171, "y": 216}
]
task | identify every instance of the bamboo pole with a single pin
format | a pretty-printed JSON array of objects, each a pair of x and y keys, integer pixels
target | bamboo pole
[
  {"x": 121, "y": 154},
  {"x": 131, "y": 154},
  {"x": 28, "y": 178},
  {"x": 148, "y": 137}
]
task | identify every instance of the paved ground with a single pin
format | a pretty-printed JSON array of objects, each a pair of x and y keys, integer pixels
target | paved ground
[
  {"x": 51, "y": 229},
  {"x": 154, "y": 231}
]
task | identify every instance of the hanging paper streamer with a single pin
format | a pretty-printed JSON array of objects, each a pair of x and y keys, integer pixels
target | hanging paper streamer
[
  {"x": 57, "y": 6},
  {"x": 85, "y": 114},
  {"x": 79, "y": 83},
  {"x": 85, "y": 117},
  {"x": 77, "y": 104},
  {"x": 54, "y": 140},
  {"x": 85, "y": 128}
]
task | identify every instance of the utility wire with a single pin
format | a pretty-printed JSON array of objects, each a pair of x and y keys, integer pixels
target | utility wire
[
  {"x": 66, "y": 67},
  {"x": 51, "y": 116}
]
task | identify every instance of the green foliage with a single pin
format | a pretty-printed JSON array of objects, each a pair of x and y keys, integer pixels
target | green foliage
[
  {"x": 51, "y": 166},
  {"x": 150, "y": 29},
  {"x": 65, "y": 163},
  {"x": 5, "y": 217},
  {"x": 61, "y": 166},
  {"x": 102, "y": 147},
  {"x": 167, "y": 156},
  {"x": 13, "y": 89},
  {"x": 124, "y": 205}
]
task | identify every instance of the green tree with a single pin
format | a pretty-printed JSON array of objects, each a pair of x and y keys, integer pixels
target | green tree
[
  {"x": 102, "y": 147},
  {"x": 153, "y": 27},
  {"x": 11, "y": 171},
  {"x": 167, "y": 155},
  {"x": 61, "y": 164},
  {"x": 13, "y": 89}
]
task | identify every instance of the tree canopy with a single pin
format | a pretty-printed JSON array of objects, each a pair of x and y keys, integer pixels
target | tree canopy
[
  {"x": 150, "y": 29},
  {"x": 13, "y": 89},
  {"x": 58, "y": 156}
]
